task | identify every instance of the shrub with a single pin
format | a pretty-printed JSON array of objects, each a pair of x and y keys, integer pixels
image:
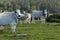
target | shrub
[{"x": 54, "y": 18}]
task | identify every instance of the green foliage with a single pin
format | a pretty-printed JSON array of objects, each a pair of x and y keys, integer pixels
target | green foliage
[
  {"x": 51, "y": 5},
  {"x": 54, "y": 18}
]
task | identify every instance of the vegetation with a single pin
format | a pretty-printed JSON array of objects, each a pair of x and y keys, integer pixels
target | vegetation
[
  {"x": 53, "y": 6},
  {"x": 35, "y": 31},
  {"x": 54, "y": 18}
]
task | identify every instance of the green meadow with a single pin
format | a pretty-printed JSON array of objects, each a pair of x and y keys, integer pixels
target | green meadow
[{"x": 37, "y": 31}]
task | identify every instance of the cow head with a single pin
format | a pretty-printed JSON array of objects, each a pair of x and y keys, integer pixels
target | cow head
[{"x": 18, "y": 13}]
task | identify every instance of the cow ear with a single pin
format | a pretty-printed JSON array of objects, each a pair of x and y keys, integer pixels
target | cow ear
[
  {"x": 15, "y": 11},
  {"x": 2, "y": 10}
]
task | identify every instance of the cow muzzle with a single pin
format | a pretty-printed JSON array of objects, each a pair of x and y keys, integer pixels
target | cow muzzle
[{"x": 18, "y": 16}]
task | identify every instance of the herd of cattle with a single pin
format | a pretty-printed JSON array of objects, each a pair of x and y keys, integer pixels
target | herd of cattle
[
  {"x": 30, "y": 17},
  {"x": 11, "y": 18}
]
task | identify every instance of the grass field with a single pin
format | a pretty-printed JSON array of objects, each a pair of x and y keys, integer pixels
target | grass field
[{"x": 35, "y": 31}]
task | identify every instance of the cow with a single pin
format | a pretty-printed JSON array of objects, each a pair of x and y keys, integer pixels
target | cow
[
  {"x": 25, "y": 16},
  {"x": 10, "y": 18},
  {"x": 39, "y": 14}
]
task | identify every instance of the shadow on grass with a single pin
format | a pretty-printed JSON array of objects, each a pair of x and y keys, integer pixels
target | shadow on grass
[{"x": 13, "y": 36}]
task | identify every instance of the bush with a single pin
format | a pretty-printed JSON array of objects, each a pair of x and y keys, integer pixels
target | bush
[{"x": 54, "y": 18}]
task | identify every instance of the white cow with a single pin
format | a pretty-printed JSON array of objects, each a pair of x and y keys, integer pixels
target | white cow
[
  {"x": 9, "y": 18},
  {"x": 26, "y": 17},
  {"x": 39, "y": 14}
]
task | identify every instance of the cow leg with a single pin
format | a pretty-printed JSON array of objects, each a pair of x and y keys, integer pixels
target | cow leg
[
  {"x": 33, "y": 20},
  {"x": 42, "y": 20},
  {"x": 25, "y": 21},
  {"x": 13, "y": 28},
  {"x": 38, "y": 19},
  {"x": 29, "y": 20},
  {"x": 1, "y": 28},
  {"x": 20, "y": 21}
]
